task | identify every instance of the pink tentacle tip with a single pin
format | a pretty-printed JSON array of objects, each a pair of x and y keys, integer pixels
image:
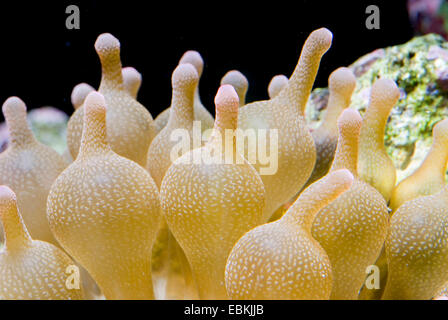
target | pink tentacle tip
[
  {"x": 227, "y": 98},
  {"x": 95, "y": 103},
  {"x": 344, "y": 177}
]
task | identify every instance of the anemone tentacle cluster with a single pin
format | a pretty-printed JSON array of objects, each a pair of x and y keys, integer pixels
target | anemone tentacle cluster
[
  {"x": 131, "y": 128},
  {"x": 341, "y": 83},
  {"x": 29, "y": 168},
  {"x": 30, "y": 269},
  {"x": 200, "y": 112},
  {"x": 148, "y": 211}
]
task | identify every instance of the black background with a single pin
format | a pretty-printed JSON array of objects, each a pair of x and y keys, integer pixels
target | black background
[{"x": 42, "y": 60}]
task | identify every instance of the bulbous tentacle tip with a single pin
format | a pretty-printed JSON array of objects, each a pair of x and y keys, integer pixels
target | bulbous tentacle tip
[
  {"x": 342, "y": 178},
  {"x": 79, "y": 94},
  {"x": 7, "y": 196},
  {"x": 279, "y": 80},
  {"x": 106, "y": 43},
  {"x": 276, "y": 84},
  {"x": 95, "y": 105},
  {"x": 235, "y": 78},
  {"x": 131, "y": 74},
  {"x": 13, "y": 106},
  {"x": 320, "y": 40},
  {"x": 318, "y": 195},
  {"x": 349, "y": 118},
  {"x": 343, "y": 80},
  {"x": 185, "y": 75},
  {"x": 385, "y": 90},
  {"x": 193, "y": 57},
  {"x": 226, "y": 99}
]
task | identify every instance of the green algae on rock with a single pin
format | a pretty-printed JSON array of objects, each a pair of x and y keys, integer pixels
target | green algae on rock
[{"x": 420, "y": 69}]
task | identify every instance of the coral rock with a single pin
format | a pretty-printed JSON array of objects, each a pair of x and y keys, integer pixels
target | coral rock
[{"x": 415, "y": 67}]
